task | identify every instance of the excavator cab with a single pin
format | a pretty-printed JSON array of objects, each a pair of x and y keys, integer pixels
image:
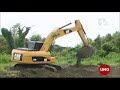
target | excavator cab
[
  {"x": 36, "y": 45},
  {"x": 32, "y": 46}
]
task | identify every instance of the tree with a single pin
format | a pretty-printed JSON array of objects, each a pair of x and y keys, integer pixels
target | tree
[
  {"x": 19, "y": 33},
  {"x": 3, "y": 44},
  {"x": 98, "y": 42},
  {"x": 109, "y": 47},
  {"x": 92, "y": 42},
  {"x": 101, "y": 53},
  {"x": 36, "y": 38},
  {"x": 14, "y": 29},
  {"x": 117, "y": 42},
  {"x": 15, "y": 36},
  {"x": 22, "y": 35},
  {"x": 8, "y": 36},
  {"x": 26, "y": 42},
  {"x": 108, "y": 37}
]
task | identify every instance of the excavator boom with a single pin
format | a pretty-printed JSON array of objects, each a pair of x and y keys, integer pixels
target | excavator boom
[{"x": 61, "y": 32}]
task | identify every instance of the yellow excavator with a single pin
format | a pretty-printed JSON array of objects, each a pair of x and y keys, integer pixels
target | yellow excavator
[{"x": 38, "y": 53}]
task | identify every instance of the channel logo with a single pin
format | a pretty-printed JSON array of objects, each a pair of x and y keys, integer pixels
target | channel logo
[{"x": 104, "y": 69}]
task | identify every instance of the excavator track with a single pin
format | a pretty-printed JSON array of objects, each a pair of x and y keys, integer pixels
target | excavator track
[{"x": 51, "y": 67}]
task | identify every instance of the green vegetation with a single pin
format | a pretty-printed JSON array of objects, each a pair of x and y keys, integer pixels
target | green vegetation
[
  {"x": 5, "y": 66},
  {"x": 36, "y": 37},
  {"x": 5, "y": 61},
  {"x": 15, "y": 36},
  {"x": 4, "y": 58},
  {"x": 8, "y": 36},
  {"x": 10, "y": 39},
  {"x": 3, "y": 44},
  {"x": 107, "y": 48},
  {"x": 112, "y": 59}
]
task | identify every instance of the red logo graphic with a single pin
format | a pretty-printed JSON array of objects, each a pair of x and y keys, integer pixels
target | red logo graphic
[{"x": 104, "y": 69}]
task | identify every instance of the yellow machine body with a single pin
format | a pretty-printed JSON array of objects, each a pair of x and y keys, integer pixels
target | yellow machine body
[
  {"x": 43, "y": 56},
  {"x": 26, "y": 56}
]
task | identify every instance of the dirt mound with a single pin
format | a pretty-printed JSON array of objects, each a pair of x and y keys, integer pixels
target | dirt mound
[{"x": 69, "y": 71}]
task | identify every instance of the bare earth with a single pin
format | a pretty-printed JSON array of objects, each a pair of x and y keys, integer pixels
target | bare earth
[{"x": 68, "y": 71}]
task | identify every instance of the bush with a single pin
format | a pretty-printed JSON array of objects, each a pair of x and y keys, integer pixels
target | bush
[
  {"x": 101, "y": 53},
  {"x": 3, "y": 44},
  {"x": 113, "y": 56},
  {"x": 109, "y": 47},
  {"x": 5, "y": 58},
  {"x": 70, "y": 62}
]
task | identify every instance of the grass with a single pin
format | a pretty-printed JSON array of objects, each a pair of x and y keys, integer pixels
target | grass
[
  {"x": 5, "y": 58},
  {"x": 5, "y": 66},
  {"x": 63, "y": 61},
  {"x": 111, "y": 59},
  {"x": 5, "y": 62}
]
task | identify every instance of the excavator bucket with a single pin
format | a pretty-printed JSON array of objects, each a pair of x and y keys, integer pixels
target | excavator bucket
[{"x": 84, "y": 52}]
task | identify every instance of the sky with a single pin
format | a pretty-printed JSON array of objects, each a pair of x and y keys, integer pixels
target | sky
[{"x": 94, "y": 23}]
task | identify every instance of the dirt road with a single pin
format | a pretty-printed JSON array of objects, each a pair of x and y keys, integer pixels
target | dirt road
[{"x": 69, "y": 71}]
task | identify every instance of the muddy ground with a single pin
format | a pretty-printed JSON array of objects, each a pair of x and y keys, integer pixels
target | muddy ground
[{"x": 68, "y": 71}]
